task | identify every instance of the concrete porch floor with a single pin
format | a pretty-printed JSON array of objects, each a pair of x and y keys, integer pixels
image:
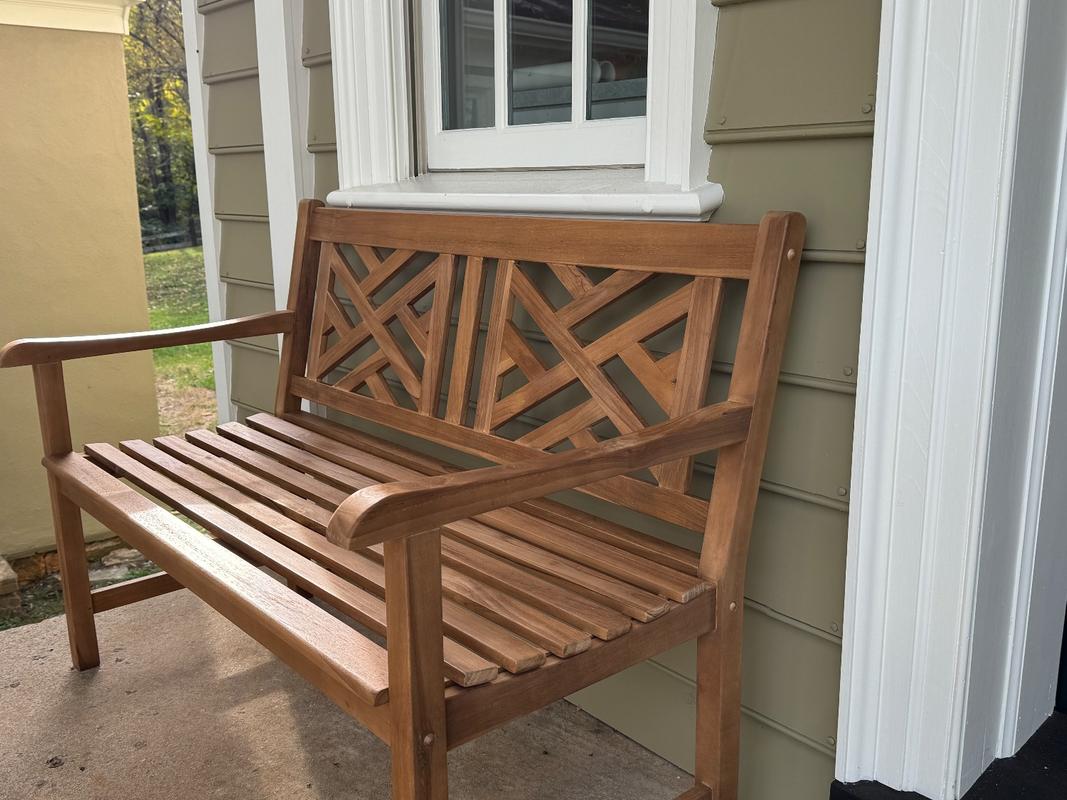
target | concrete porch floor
[{"x": 185, "y": 705}]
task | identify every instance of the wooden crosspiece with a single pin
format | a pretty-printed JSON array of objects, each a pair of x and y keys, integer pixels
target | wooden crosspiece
[
  {"x": 677, "y": 381},
  {"x": 428, "y": 332},
  {"x": 699, "y": 303}
]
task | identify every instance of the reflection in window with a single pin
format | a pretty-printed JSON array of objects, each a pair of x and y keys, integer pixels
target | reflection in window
[
  {"x": 468, "y": 97},
  {"x": 618, "y": 45},
  {"x": 539, "y": 45}
]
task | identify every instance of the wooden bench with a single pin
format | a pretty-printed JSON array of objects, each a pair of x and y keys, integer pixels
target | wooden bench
[{"x": 592, "y": 374}]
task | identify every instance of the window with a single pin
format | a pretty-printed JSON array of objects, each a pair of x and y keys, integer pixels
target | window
[
  {"x": 534, "y": 83},
  {"x": 509, "y": 95}
]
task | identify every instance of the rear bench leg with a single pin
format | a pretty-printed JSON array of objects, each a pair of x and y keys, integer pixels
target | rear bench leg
[
  {"x": 718, "y": 737},
  {"x": 66, "y": 517},
  {"x": 416, "y": 674}
]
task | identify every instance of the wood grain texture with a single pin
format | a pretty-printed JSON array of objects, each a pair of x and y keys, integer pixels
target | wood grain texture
[
  {"x": 133, "y": 591},
  {"x": 294, "y": 352},
  {"x": 723, "y": 251},
  {"x": 413, "y": 605},
  {"x": 22, "y": 352},
  {"x": 66, "y": 518},
  {"x": 381, "y": 513},
  {"x": 349, "y": 668}
]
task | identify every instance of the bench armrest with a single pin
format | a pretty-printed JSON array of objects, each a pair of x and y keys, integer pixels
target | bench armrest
[
  {"x": 23, "y": 352},
  {"x": 393, "y": 510}
]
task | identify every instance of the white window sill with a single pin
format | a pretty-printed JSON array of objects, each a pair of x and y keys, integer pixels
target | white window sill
[{"x": 603, "y": 193}]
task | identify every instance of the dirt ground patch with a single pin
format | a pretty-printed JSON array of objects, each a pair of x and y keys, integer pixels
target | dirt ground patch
[{"x": 183, "y": 408}]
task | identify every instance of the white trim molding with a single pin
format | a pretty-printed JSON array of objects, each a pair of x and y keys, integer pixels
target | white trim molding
[
  {"x": 193, "y": 25},
  {"x": 961, "y": 298},
  {"x": 96, "y": 16},
  {"x": 372, "y": 91},
  {"x": 375, "y": 98},
  {"x": 283, "y": 95}
]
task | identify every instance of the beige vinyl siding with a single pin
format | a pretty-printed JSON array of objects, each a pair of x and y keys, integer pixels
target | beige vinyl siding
[
  {"x": 321, "y": 132},
  {"x": 790, "y": 122},
  {"x": 235, "y": 140}
]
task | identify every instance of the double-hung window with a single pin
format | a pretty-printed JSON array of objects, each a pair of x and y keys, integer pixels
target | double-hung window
[
  {"x": 534, "y": 83},
  {"x": 584, "y": 107}
]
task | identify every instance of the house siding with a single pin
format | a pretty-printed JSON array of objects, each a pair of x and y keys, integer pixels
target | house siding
[{"x": 230, "y": 72}]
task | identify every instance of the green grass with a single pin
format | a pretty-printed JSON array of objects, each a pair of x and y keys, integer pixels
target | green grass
[{"x": 177, "y": 297}]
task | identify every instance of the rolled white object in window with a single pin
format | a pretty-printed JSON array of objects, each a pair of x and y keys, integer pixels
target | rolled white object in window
[{"x": 553, "y": 76}]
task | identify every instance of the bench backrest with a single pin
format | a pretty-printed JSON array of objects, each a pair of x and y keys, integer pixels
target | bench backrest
[{"x": 502, "y": 336}]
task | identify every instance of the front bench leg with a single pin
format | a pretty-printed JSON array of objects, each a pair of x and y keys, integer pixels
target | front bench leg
[
  {"x": 416, "y": 673},
  {"x": 66, "y": 517}
]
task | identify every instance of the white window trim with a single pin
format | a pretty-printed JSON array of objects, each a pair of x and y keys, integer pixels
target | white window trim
[
  {"x": 376, "y": 128},
  {"x": 578, "y": 143},
  {"x": 952, "y": 616}
]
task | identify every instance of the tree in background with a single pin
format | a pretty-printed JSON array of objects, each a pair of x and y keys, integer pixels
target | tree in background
[{"x": 159, "y": 114}]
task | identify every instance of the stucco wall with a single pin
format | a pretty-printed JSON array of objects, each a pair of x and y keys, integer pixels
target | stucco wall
[{"x": 71, "y": 256}]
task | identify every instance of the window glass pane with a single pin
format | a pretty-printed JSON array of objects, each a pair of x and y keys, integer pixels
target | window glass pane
[
  {"x": 618, "y": 47},
  {"x": 539, "y": 45},
  {"x": 468, "y": 99}
]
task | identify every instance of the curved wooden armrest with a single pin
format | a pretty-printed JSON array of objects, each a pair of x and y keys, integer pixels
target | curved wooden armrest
[
  {"x": 393, "y": 510},
  {"x": 23, "y": 352}
]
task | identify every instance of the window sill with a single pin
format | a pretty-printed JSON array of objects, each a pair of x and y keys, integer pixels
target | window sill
[{"x": 603, "y": 194}]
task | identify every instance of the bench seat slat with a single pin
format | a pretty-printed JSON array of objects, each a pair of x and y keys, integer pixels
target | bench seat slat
[
  {"x": 461, "y": 665},
  {"x": 591, "y": 600},
  {"x": 515, "y": 653},
  {"x": 649, "y": 547},
  {"x": 339, "y": 660},
  {"x": 545, "y": 630},
  {"x": 598, "y": 555}
]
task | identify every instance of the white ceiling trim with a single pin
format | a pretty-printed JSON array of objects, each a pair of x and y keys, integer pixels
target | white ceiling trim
[{"x": 97, "y": 16}]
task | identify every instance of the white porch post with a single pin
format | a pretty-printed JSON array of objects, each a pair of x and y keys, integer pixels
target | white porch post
[
  {"x": 961, "y": 321},
  {"x": 283, "y": 98}
]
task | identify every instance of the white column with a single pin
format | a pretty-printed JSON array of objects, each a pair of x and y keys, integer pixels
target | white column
[
  {"x": 283, "y": 98},
  {"x": 961, "y": 307},
  {"x": 193, "y": 24}
]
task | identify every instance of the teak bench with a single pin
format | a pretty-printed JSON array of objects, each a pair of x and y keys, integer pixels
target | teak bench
[{"x": 592, "y": 373}]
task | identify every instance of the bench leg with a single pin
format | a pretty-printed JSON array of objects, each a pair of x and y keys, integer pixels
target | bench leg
[
  {"x": 416, "y": 676},
  {"x": 66, "y": 517},
  {"x": 718, "y": 736},
  {"x": 74, "y": 572}
]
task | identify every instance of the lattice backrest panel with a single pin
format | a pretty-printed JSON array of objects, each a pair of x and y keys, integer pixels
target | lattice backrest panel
[{"x": 503, "y": 357}]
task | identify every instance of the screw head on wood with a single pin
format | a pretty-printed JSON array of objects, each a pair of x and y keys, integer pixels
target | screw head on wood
[
  {"x": 733, "y": 606},
  {"x": 791, "y": 254},
  {"x": 428, "y": 739}
]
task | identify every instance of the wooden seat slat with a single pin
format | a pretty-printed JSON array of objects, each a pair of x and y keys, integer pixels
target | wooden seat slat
[
  {"x": 288, "y": 478},
  {"x": 292, "y": 505},
  {"x": 325, "y": 470},
  {"x": 609, "y": 591},
  {"x": 598, "y": 555},
  {"x": 513, "y": 613},
  {"x": 605, "y": 591},
  {"x": 461, "y": 665},
  {"x": 333, "y": 656},
  {"x": 489, "y": 639},
  {"x": 650, "y": 547},
  {"x": 562, "y": 602},
  {"x": 593, "y": 613}
]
